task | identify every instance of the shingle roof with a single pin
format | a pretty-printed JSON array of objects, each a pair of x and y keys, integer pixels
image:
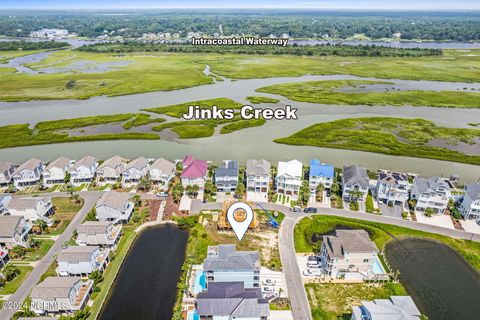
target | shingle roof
[
  {"x": 395, "y": 308},
  {"x": 432, "y": 184},
  {"x": 86, "y": 161},
  {"x": 473, "y": 190},
  {"x": 29, "y": 165},
  {"x": 5, "y": 165},
  {"x": 93, "y": 227},
  {"x": 291, "y": 168},
  {"x": 163, "y": 166},
  {"x": 138, "y": 163},
  {"x": 228, "y": 169},
  {"x": 349, "y": 241},
  {"x": 112, "y": 162},
  {"x": 193, "y": 168},
  {"x": 61, "y": 163},
  {"x": 76, "y": 254},
  {"x": 318, "y": 169},
  {"x": 8, "y": 225},
  {"x": 355, "y": 175},
  {"x": 258, "y": 167},
  {"x": 114, "y": 199},
  {"x": 54, "y": 287},
  {"x": 226, "y": 257},
  {"x": 21, "y": 204}
]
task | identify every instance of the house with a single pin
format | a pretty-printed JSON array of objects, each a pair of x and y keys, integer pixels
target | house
[
  {"x": 4, "y": 201},
  {"x": 28, "y": 173},
  {"x": 31, "y": 209},
  {"x": 14, "y": 231},
  {"x": 134, "y": 171},
  {"x": 258, "y": 177},
  {"x": 83, "y": 170},
  {"x": 194, "y": 172},
  {"x": 470, "y": 206},
  {"x": 81, "y": 260},
  {"x": 226, "y": 176},
  {"x": 320, "y": 173},
  {"x": 289, "y": 178},
  {"x": 114, "y": 206},
  {"x": 355, "y": 183},
  {"x": 392, "y": 188},
  {"x": 161, "y": 172},
  {"x": 55, "y": 171},
  {"x": 231, "y": 300},
  {"x": 101, "y": 233},
  {"x": 348, "y": 254},
  {"x": 111, "y": 169},
  {"x": 396, "y": 307},
  {"x": 6, "y": 172},
  {"x": 3, "y": 256},
  {"x": 225, "y": 264},
  {"x": 60, "y": 294},
  {"x": 431, "y": 194}
]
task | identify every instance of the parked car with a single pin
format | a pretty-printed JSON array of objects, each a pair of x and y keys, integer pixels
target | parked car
[
  {"x": 271, "y": 297},
  {"x": 268, "y": 290},
  {"x": 313, "y": 264},
  {"x": 269, "y": 282},
  {"x": 311, "y": 272},
  {"x": 329, "y": 193},
  {"x": 313, "y": 258},
  {"x": 296, "y": 209},
  {"x": 310, "y": 210},
  {"x": 162, "y": 194}
]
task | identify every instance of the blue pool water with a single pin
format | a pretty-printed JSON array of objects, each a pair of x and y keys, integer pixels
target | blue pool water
[
  {"x": 200, "y": 282},
  {"x": 377, "y": 267},
  {"x": 193, "y": 315}
]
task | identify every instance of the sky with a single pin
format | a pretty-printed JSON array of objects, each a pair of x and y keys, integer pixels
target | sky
[{"x": 299, "y": 4}]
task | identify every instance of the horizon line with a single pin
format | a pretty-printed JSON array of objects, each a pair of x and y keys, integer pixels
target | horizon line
[{"x": 248, "y": 8}]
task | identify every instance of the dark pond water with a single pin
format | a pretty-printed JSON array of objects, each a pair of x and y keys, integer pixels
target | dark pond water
[
  {"x": 146, "y": 284},
  {"x": 441, "y": 283}
]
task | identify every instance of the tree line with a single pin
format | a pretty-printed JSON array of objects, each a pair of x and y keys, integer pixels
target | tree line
[{"x": 30, "y": 45}]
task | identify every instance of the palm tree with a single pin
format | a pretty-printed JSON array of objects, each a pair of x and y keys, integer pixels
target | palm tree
[
  {"x": 335, "y": 188},
  {"x": 319, "y": 192}
]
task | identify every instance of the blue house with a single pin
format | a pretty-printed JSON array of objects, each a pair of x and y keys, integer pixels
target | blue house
[{"x": 320, "y": 173}]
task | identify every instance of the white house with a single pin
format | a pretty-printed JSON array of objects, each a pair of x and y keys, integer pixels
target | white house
[
  {"x": 470, "y": 206},
  {"x": 31, "y": 209},
  {"x": 258, "y": 178},
  {"x": 396, "y": 307},
  {"x": 6, "y": 172},
  {"x": 134, "y": 171},
  {"x": 355, "y": 180},
  {"x": 60, "y": 294},
  {"x": 83, "y": 170},
  {"x": 392, "y": 188},
  {"x": 320, "y": 173},
  {"x": 81, "y": 260},
  {"x": 111, "y": 169},
  {"x": 225, "y": 264},
  {"x": 4, "y": 201},
  {"x": 289, "y": 178},
  {"x": 161, "y": 172},
  {"x": 114, "y": 206},
  {"x": 226, "y": 176},
  {"x": 349, "y": 254},
  {"x": 28, "y": 173},
  {"x": 101, "y": 233},
  {"x": 14, "y": 231},
  {"x": 433, "y": 193},
  {"x": 3, "y": 256},
  {"x": 55, "y": 171}
]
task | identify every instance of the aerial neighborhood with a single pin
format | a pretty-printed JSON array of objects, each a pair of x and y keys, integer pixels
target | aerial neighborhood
[{"x": 229, "y": 283}]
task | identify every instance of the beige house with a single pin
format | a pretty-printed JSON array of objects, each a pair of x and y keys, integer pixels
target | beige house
[
  {"x": 111, "y": 169},
  {"x": 114, "y": 206},
  {"x": 14, "y": 231},
  {"x": 101, "y": 233}
]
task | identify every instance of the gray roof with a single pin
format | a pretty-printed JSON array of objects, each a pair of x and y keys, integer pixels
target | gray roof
[
  {"x": 8, "y": 225},
  {"x": 29, "y": 165},
  {"x": 258, "y": 167},
  {"x": 93, "y": 227},
  {"x": 138, "y": 163},
  {"x": 432, "y": 184},
  {"x": 392, "y": 178},
  {"x": 114, "y": 199},
  {"x": 76, "y": 254},
  {"x": 355, "y": 175},
  {"x": 61, "y": 163},
  {"x": 228, "y": 169},
  {"x": 395, "y": 308},
  {"x": 86, "y": 161},
  {"x": 163, "y": 165},
  {"x": 225, "y": 256},
  {"x": 349, "y": 241},
  {"x": 473, "y": 190},
  {"x": 53, "y": 288},
  {"x": 112, "y": 162},
  {"x": 232, "y": 299},
  {"x": 21, "y": 204},
  {"x": 5, "y": 165}
]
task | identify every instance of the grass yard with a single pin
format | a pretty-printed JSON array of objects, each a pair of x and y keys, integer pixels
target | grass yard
[
  {"x": 307, "y": 228},
  {"x": 65, "y": 210},
  {"x": 394, "y": 136},
  {"x": 40, "y": 251},
  {"x": 259, "y": 100},
  {"x": 12, "y": 286},
  {"x": 325, "y": 92},
  {"x": 334, "y": 301}
]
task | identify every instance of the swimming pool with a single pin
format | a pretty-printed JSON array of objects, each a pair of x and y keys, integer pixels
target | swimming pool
[
  {"x": 377, "y": 267},
  {"x": 193, "y": 315},
  {"x": 200, "y": 282}
]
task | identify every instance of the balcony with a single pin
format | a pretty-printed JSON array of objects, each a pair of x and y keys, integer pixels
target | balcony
[{"x": 82, "y": 295}]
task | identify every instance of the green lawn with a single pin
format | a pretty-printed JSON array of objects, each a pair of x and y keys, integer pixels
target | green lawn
[
  {"x": 394, "y": 136},
  {"x": 37, "y": 253},
  {"x": 325, "y": 92},
  {"x": 12, "y": 286},
  {"x": 259, "y": 100},
  {"x": 379, "y": 233},
  {"x": 65, "y": 210}
]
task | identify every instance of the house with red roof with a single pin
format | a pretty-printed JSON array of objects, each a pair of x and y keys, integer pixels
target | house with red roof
[{"x": 194, "y": 172}]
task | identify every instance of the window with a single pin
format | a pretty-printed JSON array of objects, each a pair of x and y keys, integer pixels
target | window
[{"x": 365, "y": 260}]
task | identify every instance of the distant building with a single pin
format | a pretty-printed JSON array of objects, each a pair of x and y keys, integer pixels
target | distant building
[
  {"x": 14, "y": 231},
  {"x": 83, "y": 170},
  {"x": 28, "y": 173},
  {"x": 81, "y": 260},
  {"x": 225, "y": 264},
  {"x": 56, "y": 170},
  {"x": 101, "y": 233},
  {"x": 392, "y": 188},
  {"x": 433, "y": 193},
  {"x": 226, "y": 176},
  {"x": 232, "y": 300},
  {"x": 355, "y": 179},
  {"x": 258, "y": 178},
  {"x": 289, "y": 178},
  {"x": 470, "y": 206},
  {"x": 114, "y": 206},
  {"x": 6, "y": 172},
  {"x": 194, "y": 172},
  {"x": 320, "y": 173},
  {"x": 396, "y": 307},
  {"x": 111, "y": 169},
  {"x": 49, "y": 34},
  {"x": 161, "y": 172},
  {"x": 349, "y": 254}
]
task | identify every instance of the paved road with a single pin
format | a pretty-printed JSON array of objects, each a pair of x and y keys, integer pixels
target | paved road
[{"x": 43, "y": 265}]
